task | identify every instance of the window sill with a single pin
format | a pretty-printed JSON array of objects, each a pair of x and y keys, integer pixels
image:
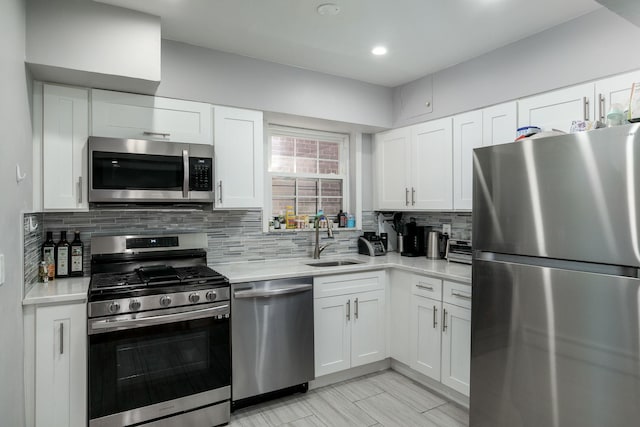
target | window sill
[{"x": 311, "y": 230}]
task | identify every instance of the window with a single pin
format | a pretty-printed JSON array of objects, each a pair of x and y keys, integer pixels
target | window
[{"x": 307, "y": 171}]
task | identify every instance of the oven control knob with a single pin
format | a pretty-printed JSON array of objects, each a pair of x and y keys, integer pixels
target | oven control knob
[
  {"x": 165, "y": 301},
  {"x": 134, "y": 304},
  {"x": 114, "y": 307},
  {"x": 194, "y": 298},
  {"x": 211, "y": 296}
]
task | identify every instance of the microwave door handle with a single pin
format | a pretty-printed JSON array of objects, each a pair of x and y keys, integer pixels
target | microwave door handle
[{"x": 185, "y": 180}]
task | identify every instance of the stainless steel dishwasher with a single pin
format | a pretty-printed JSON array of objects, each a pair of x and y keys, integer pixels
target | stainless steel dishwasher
[{"x": 271, "y": 337}]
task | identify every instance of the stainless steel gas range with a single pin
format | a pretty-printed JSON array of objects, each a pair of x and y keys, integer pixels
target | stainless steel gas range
[{"x": 159, "y": 338}]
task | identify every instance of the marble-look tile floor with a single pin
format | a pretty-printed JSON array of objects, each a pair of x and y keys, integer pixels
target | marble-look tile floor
[{"x": 382, "y": 399}]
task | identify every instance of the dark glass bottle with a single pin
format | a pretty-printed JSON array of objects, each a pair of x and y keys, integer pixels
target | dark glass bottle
[
  {"x": 77, "y": 258},
  {"x": 49, "y": 256},
  {"x": 342, "y": 219},
  {"x": 63, "y": 256}
]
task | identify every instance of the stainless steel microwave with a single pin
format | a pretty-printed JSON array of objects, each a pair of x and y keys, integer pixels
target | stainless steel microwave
[{"x": 133, "y": 170}]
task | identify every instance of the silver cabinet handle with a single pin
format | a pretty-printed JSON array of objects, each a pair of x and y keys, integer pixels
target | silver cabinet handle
[
  {"x": 80, "y": 189},
  {"x": 220, "y": 192},
  {"x": 429, "y": 288},
  {"x": 348, "y": 310},
  {"x": 601, "y": 100},
  {"x": 444, "y": 319},
  {"x": 435, "y": 317},
  {"x": 406, "y": 196},
  {"x": 413, "y": 196},
  {"x": 585, "y": 103},
  {"x": 61, "y": 338},
  {"x": 266, "y": 293},
  {"x": 185, "y": 176},
  {"x": 356, "y": 308},
  {"x": 457, "y": 294},
  {"x": 162, "y": 134}
]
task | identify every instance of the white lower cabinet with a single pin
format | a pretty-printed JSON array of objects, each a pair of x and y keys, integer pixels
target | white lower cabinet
[
  {"x": 59, "y": 365},
  {"x": 440, "y": 331},
  {"x": 349, "y": 321}
]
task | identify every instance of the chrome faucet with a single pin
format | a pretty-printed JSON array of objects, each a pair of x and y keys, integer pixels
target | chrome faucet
[{"x": 318, "y": 249}]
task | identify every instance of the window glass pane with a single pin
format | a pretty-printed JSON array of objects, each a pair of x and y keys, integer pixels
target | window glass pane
[
  {"x": 329, "y": 150},
  {"x": 281, "y": 164},
  {"x": 331, "y": 206},
  {"x": 282, "y": 146},
  {"x": 283, "y": 187},
  {"x": 307, "y": 148},
  {"x": 308, "y": 187},
  {"x": 279, "y": 206},
  {"x": 331, "y": 187},
  {"x": 304, "y": 165},
  {"x": 307, "y": 206},
  {"x": 329, "y": 167}
]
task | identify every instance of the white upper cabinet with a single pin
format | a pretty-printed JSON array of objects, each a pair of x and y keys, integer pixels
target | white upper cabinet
[
  {"x": 127, "y": 115},
  {"x": 499, "y": 124},
  {"x": 431, "y": 161},
  {"x": 392, "y": 150},
  {"x": 467, "y": 135},
  {"x": 614, "y": 90},
  {"x": 238, "y": 158},
  {"x": 65, "y": 129},
  {"x": 557, "y": 109}
]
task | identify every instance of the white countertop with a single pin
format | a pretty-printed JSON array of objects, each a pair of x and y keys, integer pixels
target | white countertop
[
  {"x": 75, "y": 289},
  {"x": 250, "y": 271},
  {"x": 59, "y": 290}
]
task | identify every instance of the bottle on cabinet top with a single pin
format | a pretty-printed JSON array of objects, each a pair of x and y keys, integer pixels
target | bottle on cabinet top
[
  {"x": 77, "y": 258},
  {"x": 62, "y": 256}
]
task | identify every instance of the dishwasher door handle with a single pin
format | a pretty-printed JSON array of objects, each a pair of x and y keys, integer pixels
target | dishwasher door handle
[{"x": 274, "y": 292}]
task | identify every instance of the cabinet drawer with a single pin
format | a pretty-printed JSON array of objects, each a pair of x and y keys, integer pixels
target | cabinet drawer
[
  {"x": 344, "y": 284},
  {"x": 428, "y": 287},
  {"x": 457, "y": 294}
]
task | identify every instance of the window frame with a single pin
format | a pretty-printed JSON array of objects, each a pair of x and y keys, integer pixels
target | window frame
[{"x": 343, "y": 164}]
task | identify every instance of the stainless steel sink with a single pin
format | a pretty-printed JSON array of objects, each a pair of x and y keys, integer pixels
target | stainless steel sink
[{"x": 333, "y": 263}]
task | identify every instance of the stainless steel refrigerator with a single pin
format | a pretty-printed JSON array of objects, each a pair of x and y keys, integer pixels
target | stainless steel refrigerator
[{"x": 556, "y": 288}]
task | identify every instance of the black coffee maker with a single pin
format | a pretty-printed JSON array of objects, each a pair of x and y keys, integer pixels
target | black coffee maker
[{"x": 415, "y": 240}]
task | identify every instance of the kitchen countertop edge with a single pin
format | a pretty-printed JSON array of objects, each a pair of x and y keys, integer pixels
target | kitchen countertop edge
[{"x": 58, "y": 291}]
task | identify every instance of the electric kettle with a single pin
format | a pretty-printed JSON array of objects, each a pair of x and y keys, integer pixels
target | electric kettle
[{"x": 437, "y": 245}]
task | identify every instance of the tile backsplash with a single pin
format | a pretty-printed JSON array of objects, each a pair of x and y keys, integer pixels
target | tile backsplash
[{"x": 232, "y": 235}]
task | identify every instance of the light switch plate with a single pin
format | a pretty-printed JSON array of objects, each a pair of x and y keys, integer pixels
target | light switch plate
[
  {"x": 446, "y": 228},
  {"x": 1, "y": 269}
]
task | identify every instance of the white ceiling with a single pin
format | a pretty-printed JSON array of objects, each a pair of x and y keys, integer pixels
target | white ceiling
[{"x": 422, "y": 36}]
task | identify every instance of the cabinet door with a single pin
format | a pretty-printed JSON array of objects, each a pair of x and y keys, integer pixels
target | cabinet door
[
  {"x": 400, "y": 318},
  {"x": 425, "y": 336},
  {"x": 499, "y": 124},
  {"x": 127, "y": 115},
  {"x": 431, "y": 165},
  {"x": 332, "y": 334},
  {"x": 367, "y": 328},
  {"x": 65, "y": 130},
  {"x": 614, "y": 90},
  {"x": 392, "y": 172},
  {"x": 61, "y": 366},
  {"x": 239, "y": 158},
  {"x": 467, "y": 135},
  {"x": 557, "y": 109},
  {"x": 456, "y": 347}
]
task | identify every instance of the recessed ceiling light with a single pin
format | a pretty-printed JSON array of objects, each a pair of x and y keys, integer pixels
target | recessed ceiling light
[
  {"x": 329, "y": 9},
  {"x": 379, "y": 50}
]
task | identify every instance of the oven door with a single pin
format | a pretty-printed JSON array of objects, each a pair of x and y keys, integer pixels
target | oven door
[{"x": 154, "y": 364}]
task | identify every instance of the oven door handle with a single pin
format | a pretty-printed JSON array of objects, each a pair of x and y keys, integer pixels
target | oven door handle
[
  {"x": 185, "y": 176},
  {"x": 110, "y": 325},
  {"x": 266, "y": 293}
]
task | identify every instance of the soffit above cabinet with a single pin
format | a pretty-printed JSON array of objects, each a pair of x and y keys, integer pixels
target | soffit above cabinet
[{"x": 628, "y": 9}]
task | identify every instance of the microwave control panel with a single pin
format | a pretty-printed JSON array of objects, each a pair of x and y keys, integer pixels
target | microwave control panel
[{"x": 200, "y": 174}]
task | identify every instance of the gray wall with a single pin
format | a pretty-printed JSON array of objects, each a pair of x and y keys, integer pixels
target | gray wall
[
  {"x": 14, "y": 199},
  {"x": 592, "y": 46},
  {"x": 199, "y": 74},
  {"x": 95, "y": 40}
]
